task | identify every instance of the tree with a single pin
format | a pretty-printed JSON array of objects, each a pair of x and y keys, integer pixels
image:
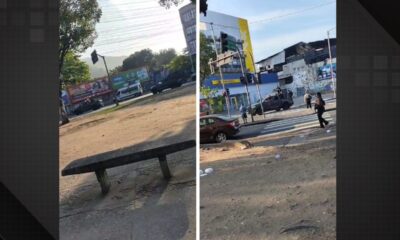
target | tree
[
  {"x": 180, "y": 63},
  {"x": 168, "y": 3},
  {"x": 77, "y": 32},
  {"x": 164, "y": 57},
  {"x": 116, "y": 70},
  {"x": 78, "y": 20},
  {"x": 209, "y": 94},
  {"x": 74, "y": 70},
  {"x": 141, "y": 58},
  {"x": 206, "y": 52}
]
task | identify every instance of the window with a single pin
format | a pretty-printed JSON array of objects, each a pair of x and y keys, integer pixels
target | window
[
  {"x": 211, "y": 121},
  {"x": 203, "y": 122}
]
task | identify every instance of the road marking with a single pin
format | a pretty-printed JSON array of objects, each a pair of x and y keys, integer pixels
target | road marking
[
  {"x": 294, "y": 121},
  {"x": 300, "y": 123}
]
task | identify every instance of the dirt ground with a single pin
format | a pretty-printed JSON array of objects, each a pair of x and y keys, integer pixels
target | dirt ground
[
  {"x": 251, "y": 194},
  {"x": 140, "y": 204}
]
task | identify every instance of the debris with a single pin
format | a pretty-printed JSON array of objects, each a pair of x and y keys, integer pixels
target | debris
[
  {"x": 302, "y": 135},
  {"x": 328, "y": 131},
  {"x": 303, "y": 224},
  {"x": 201, "y": 172},
  {"x": 203, "y": 175},
  {"x": 277, "y": 156},
  {"x": 208, "y": 170}
]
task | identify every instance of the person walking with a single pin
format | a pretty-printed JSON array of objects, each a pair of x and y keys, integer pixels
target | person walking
[
  {"x": 320, "y": 107},
  {"x": 307, "y": 100},
  {"x": 243, "y": 112}
]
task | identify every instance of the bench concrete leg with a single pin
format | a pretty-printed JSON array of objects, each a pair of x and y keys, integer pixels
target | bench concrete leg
[
  {"x": 164, "y": 166},
  {"x": 102, "y": 177}
]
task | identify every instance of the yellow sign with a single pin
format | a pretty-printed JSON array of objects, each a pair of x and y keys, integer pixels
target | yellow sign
[
  {"x": 228, "y": 81},
  {"x": 247, "y": 47}
]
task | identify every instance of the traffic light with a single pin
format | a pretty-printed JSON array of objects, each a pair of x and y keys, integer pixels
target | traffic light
[
  {"x": 249, "y": 77},
  {"x": 94, "y": 57},
  {"x": 227, "y": 92},
  {"x": 203, "y": 7},
  {"x": 224, "y": 42}
]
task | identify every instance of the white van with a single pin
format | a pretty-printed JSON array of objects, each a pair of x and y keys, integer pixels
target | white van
[{"x": 133, "y": 90}]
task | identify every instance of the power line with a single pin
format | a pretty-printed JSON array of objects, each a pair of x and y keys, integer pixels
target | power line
[
  {"x": 293, "y": 13},
  {"x": 111, "y": 40},
  {"x": 123, "y": 4},
  {"x": 143, "y": 44},
  {"x": 140, "y": 37},
  {"x": 137, "y": 27}
]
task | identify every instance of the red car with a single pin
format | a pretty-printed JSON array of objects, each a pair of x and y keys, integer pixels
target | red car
[{"x": 217, "y": 128}]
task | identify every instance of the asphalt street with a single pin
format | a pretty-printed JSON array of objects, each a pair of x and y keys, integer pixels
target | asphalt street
[
  {"x": 122, "y": 103},
  {"x": 285, "y": 125}
]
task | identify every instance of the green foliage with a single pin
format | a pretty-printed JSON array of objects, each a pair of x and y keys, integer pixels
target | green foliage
[
  {"x": 206, "y": 52},
  {"x": 211, "y": 97},
  {"x": 142, "y": 58},
  {"x": 164, "y": 57},
  {"x": 168, "y": 3},
  {"x": 78, "y": 20},
  {"x": 116, "y": 70},
  {"x": 74, "y": 71},
  {"x": 180, "y": 63},
  {"x": 146, "y": 58}
]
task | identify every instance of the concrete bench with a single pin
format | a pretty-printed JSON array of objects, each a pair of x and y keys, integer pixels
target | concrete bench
[{"x": 100, "y": 162}]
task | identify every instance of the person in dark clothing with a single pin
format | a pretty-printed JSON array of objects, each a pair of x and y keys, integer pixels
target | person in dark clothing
[
  {"x": 307, "y": 99},
  {"x": 320, "y": 107},
  {"x": 243, "y": 112}
]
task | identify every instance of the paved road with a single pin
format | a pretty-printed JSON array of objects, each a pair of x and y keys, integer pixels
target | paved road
[
  {"x": 290, "y": 124},
  {"x": 126, "y": 102}
]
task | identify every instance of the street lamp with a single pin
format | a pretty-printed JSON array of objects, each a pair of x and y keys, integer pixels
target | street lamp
[{"x": 330, "y": 61}]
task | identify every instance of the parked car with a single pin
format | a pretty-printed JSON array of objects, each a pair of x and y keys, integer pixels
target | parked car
[
  {"x": 275, "y": 101},
  {"x": 173, "y": 80},
  {"x": 217, "y": 128},
  {"x": 87, "y": 105},
  {"x": 133, "y": 90}
]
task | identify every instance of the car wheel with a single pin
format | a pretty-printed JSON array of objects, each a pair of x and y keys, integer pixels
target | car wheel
[
  {"x": 220, "y": 137},
  {"x": 154, "y": 92},
  {"x": 286, "y": 106}
]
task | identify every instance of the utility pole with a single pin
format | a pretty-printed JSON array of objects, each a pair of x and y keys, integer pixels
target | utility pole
[
  {"x": 227, "y": 100},
  {"x": 257, "y": 82},
  {"x": 330, "y": 62},
  {"x": 105, "y": 64},
  {"x": 247, "y": 89},
  {"x": 94, "y": 60}
]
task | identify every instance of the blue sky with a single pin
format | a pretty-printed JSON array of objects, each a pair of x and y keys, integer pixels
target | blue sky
[
  {"x": 283, "y": 28},
  {"x": 127, "y": 26}
]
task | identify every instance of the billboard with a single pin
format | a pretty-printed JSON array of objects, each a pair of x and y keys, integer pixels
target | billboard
[
  {"x": 80, "y": 92},
  {"x": 123, "y": 79},
  {"x": 324, "y": 72},
  {"x": 215, "y": 23}
]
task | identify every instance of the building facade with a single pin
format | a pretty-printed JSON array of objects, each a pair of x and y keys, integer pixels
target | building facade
[
  {"x": 188, "y": 20},
  {"x": 303, "y": 67}
]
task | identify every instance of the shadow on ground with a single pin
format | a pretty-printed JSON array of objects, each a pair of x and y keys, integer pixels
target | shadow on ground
[
  {"x": 141, "y": 204},
  {"x": 261, "y": 197}
]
